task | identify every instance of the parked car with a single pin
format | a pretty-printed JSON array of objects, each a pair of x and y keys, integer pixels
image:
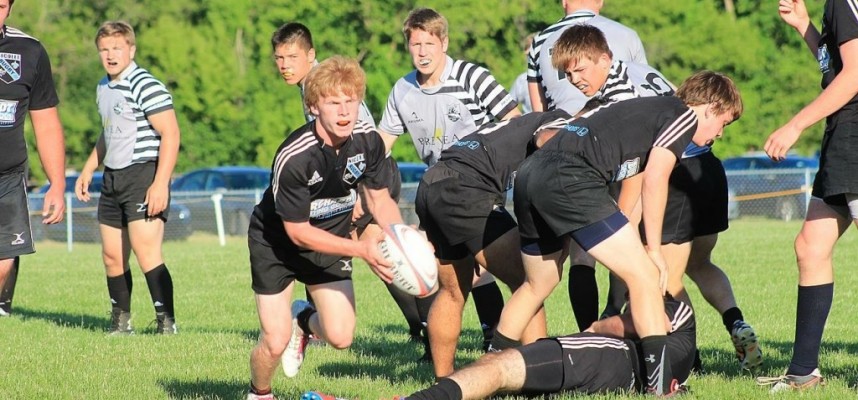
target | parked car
[
  {"x": 765, "y": 187},
  {"x": 241, "y": 188},
  {"x": 85, "y": 215}
]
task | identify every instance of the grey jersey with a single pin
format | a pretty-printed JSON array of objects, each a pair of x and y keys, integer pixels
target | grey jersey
[
  {"x": 363, "y": 112},
  {"x": 469, "y": 96},
  {"x": 559, "y": 93},
  {"x": 520, "y": 93}
]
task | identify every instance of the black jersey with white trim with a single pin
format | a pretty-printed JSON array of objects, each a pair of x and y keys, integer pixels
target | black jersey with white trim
[
  {"x": 616, "y": 139},
  {"x": 314, "y": 182},
  {"x": 839, "y": 25},
  {"x": 681, "y": 342},
  {"x": 26, "y": 83},
  {"x": 493, "y": 153}
]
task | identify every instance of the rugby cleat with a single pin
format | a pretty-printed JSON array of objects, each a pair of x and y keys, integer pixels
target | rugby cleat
[
  {"x": 293, "y": 357},
  {"x": 747, "y": 347},
  {"x": 793, "y": 383}
]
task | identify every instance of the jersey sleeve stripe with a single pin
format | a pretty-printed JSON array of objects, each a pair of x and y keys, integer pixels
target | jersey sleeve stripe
[
  {"x": 303, "y": 143},
  {"x": 681, "y": 315},
  {"x": 853, "y": 5},
  {"x": 680, "y": 126}
]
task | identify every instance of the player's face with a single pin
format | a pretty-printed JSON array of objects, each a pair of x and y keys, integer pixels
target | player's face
[
  {"x": 587, "y": 75},
  {"x": 428, "y": 53},
  {"x": 711, "y": 127},
  {"x": 116, "y": 54},
  {"x": 336, "y": 116},
  {"x": 5, "y": 8},
  {"x": 293, "y": 62}
]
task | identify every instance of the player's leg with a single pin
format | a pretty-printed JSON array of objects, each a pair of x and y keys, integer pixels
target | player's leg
[
  {"x": 676, "y": 255},
  {"x": 488, "y": 301},
  {"x": 583, "y": 289},
  {"x": 617, "y": 296},
  {"x": 334, "y": 316},
  {"x": 16, "y": 238},
  {"x": 493, "y": 372},
  {"x": 146, "y": 236},
  {"x": 115, "y": 250},
  {"x": 275, "y": 324},
  {"x": 7, "y": 268},
  {"x": 445, "y": 316}
]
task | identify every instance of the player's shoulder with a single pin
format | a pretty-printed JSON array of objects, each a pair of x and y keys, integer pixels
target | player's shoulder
[
  {"x": 301, "y": 142},
  {"x": 610, "y": 26},
  {"x": 20, "y": 36}
]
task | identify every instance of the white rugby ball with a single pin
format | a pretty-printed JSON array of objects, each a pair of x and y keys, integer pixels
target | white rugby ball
[{"x": 413, "y": 262}]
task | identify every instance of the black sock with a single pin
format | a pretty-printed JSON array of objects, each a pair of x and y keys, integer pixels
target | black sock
[
  {"x": 730, "y": 317},
  {"x": 584, "y": 295},
  {"x": 303, "y": 319},
  {"x": 814, "y": 303},
  {"x": 444, "y": 389},
  {"x": 488, "y": 301},
  {"x": 119, "y": 289},
  {"x": 8, "y": 291},
  {"x": 617, "y": 290},
  {"x": 408, "y": 306},
  {"x": 501, "y": 342},
  {"x": 657, "y": 364},
  {"x": 161, "y": 289}
]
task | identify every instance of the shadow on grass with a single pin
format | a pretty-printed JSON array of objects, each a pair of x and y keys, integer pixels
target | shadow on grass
[
  {"x": 776, "y": 359},
  {"x": 204, "y": 389},
  {"x": 81, "y": 321}
]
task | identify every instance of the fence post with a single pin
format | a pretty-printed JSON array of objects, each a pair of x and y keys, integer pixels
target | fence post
[
  {"x": 69, "y": 223},
  {"x": 216, "y": 198}
]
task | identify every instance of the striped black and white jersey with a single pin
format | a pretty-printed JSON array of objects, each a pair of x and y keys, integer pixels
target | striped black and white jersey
[
  {"x": 26, "y": 84},
  {"x": 125, "y": 105},
  {"x": 839, "y": 25},
  {"x": 363, "y": 112},
  {"x": 313, "y": 182},
  {"x": 559, "y": 93},
  {"x": 616, "y": 139},
  {"x": 468, "y": 97}
]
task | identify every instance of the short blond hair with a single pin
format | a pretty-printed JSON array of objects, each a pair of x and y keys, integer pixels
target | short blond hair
[
  {"x": 334, "y": 75},
  {"x": 425, "y": 19},
  {"x": 116, "y": 28},
  {"x": 715, "y": 88},
  {"x": 577, "y": 42}
]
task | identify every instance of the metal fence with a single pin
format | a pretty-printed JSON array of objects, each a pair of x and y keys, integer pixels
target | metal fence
[{"x": 777, "y": 193}]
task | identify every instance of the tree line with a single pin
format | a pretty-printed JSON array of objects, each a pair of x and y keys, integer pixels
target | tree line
[{"x": 233, "y": 108}]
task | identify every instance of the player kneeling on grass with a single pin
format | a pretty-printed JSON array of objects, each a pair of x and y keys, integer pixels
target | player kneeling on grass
[
  {"x": 300, "y": 229},
  {"x": 561, "y": 192},
  {"x": 607, "y": 358}
]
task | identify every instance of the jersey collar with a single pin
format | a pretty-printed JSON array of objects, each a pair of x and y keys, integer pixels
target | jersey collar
[
  {"x": 582, "y": 13},
  {"x": 3, "y": 32},
  {"x": 122, "y": 75},
  {"x": 448, "y": 70}
]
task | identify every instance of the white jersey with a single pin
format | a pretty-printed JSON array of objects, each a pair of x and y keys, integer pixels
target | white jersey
[
  {"x": 520, "y": 93},
  {"x": 559, "y": 93},
  {"x": 469, "y": 96}
]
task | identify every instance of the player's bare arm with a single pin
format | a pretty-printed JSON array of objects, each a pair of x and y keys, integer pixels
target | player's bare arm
[
  {"x": 158, "y": 195},
  {"x": 843, "y": 88},
  {"x": 389, "y": 140},
  {"x": 630, "y": 195},
  {"x": 51, "y": 146},
  {"x": 309, "y": 237},
  {"x": 654, "y": 198},
  {"x": 81, "y": 185},
  {"x": 537, "y": 96}
]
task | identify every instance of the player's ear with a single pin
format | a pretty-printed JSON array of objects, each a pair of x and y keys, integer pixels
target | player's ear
[
  {"x": 444, "y": 43},
  {"x": 132, "y": 51}
]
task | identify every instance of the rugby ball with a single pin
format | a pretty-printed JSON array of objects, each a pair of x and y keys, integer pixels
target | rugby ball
[{"x": 413, "y": 262}]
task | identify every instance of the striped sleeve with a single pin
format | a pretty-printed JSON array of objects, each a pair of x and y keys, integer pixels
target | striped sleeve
[
  {"x": 149, "y": 93},
  {"x": 492, "y": 97},
  {"x": 677, "y": 132},
  {"x": 289, "y": 181},
  {"x": 845, "y": 24}
]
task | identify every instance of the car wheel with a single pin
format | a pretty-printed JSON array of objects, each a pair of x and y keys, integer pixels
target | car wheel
[
  {"x": 787, "y": 210},
  {"x": 239, "y": 223}
]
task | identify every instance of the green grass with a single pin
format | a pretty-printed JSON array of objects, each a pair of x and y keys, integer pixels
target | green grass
[{"x": 54, "y": 347}]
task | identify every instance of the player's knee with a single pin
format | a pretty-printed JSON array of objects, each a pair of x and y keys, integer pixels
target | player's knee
[
  {"x": 274, "y": 344},
  {"x": 808, "y": 250},
  {"x": 340, "y": 340}
]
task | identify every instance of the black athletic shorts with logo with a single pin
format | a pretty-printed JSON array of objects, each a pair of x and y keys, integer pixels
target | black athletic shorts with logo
[
  {"x": 272, "y": 269},
  {"x": 394, "y": 181},
  {"x": 123, "y": 195},
  {"x": 696, "y": 200},
  {"x": 838, "y": 163},
  {"x": 557, "y": 193},
  {"x": 459, "y": 218},
  {"x": 584, "y": 363},
  {"x": 16, "y": 237}
]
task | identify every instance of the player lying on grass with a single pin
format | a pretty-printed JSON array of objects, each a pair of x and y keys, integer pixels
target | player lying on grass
[
  {"x": 300, "y": 229},
  {"x": 561, "y": 193},
  {"x": 607, "y": 358}
]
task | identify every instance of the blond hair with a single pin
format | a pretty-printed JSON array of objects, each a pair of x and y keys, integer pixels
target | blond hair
[
  {"x": 332, "y": 76},
  {"x": 577, "y": 42},
  {"x": 116, "y": 28},
  {"x": 709, "y": 87},
  {"x": 425, "y": 19}
]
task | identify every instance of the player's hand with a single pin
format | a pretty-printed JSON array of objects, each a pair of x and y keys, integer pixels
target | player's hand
[
  {"x": 54, "y": 208},
  {"x": 81, "y": 186},
  {"x": 660, "y": 263},
  {"x": 794, "y": 13},
  {"x": 780, "y": 141},
  {"x": 373, "y": 257},
  {"x": 157, "y": 199}
]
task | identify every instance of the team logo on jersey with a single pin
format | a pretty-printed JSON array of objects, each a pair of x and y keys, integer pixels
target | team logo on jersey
[
  {"x": 354, "y": 169},
  {"x": 824, "y": 58},
  {"x": 414, "y": 118},
  {"x": 316, "y": 178},
  {"x": 628, "y": 169},
  {"x": 10, "y": 67},
  {"x": 578, "y": 130},
  {"x": 117, "y": 108},
  {"x": 471, "y": 144},
  {"x": 453, "y": 113},
  {"x": 327, "y": 208},
  {"x": 8, "y": 112}
]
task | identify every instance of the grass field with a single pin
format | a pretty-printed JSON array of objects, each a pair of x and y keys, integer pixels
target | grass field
[{"x": 54, "y": 347}]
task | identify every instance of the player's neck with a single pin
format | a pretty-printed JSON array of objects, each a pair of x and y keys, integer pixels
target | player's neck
[{"x": 434, "y": 79}]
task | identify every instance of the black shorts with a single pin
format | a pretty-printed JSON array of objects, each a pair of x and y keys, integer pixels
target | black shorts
[
  {"x": 394, "y": 181},
  {"x": 557, "y": 193},
  {"x": 838, "y": 163},
  {"x": 16, "y": 237},
  {"x": 584, "y": 363},
  {"x": 458, "y": 216},
  {"x": 273, "y": 269},
  {"x": 696, "y": 200},
  {"x": 123, "y": 195}
]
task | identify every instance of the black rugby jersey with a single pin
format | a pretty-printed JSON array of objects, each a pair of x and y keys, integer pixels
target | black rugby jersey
[
  {"x": 26, "y": 84},
  {"x": 839, "y": 25},
  {"x": 311, "y": 181},
  {"x": 493, "y": 153},
  {"x": 616, "y": 139},
  {"x": 681, "y": 343}
]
